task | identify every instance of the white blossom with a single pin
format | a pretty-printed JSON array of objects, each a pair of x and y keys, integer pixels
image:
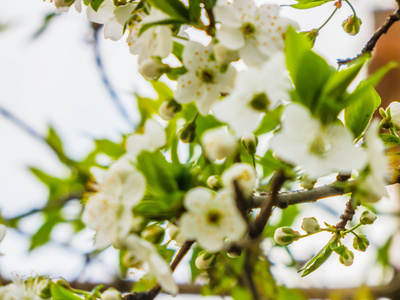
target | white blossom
[
  {"x": 218, "y": 143},
  {"x": 114, "y": 18},
  {"x": 155, "y": 42},
  {"x": 205, "y": 79},
  {"x": 367, "y": 217},
  {"x": 109, "y": 211},
  {"x": 256, "y": 91},
  {"x": 152, "y": 139},
  {"x": 23, "y": 288},
  {"x": 395, "y": 112},
  {"x": 63, "y": 5},
  {"x": 285, "y": 235},
  {"x": 211, "y": 218},
  {"x": 2, "y": 233},
  {"x": 243, "y": 174},
  {"x": 257, "y": 32},
  {"x": 379, "y": 170},
  {"x": 111, "y": 294},
  {"x": 146, "y": 252},
  {"x": 204, "y": 261},
  {"x": 310, "y": 225},
  {"x": 319, "y": 150}
]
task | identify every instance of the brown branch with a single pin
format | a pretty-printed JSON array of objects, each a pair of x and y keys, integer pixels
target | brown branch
[
  {"x": 285, "y": 199},
  {"x": 348, "y": 215},
  {"x": 266, "y": 206},
  {"x": 393, "y": 18}
]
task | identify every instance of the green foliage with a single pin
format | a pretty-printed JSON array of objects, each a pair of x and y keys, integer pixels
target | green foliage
[
  {"x": 358, "y": 114},
  {"x": 174, "y": 8},
  {"x": 270, "y": 121},
  {"x": 304, "y": 4},
  {"x": 95, "y": 4},
  {"x": 60, "y": 293}
]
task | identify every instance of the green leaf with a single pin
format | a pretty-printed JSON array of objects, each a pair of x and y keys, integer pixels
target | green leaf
[
  {"x": 60, "y": 293},
  {"x": 320, "y": 257},
  {"x": 304, "y": 4},
  {"x": 95, "y": 4},
  {"x": 42, "y": 236},
  {"x": 338, "y": 83},
  {"x": 194, "y": 10},
  {"x": 358, "y": 114},
  {"x": 173, "y": 8},
  {"x": 178, "y": 50},
  {"x": 166, "y": 22},
  {"x": 209, "y": 4},
  {"x": 270, "y": 121},
  {"x": 158, "y": 172},
  {"x": 309, "y": 71},
  {"x": 194, "y": 271},
  {"x": 109, "y": 148}
]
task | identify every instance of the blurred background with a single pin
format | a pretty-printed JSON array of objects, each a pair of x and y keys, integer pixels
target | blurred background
[{"x": 60, "y": 77}]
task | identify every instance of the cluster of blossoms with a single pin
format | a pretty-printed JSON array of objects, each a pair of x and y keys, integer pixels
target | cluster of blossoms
[{"x": 237, "y": 80}]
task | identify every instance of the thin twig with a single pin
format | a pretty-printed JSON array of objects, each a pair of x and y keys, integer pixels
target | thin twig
[
  {"x": 348, "y": 214},
  {"x": 111, "y": 91},
  {"x": 21, "y": 124},
  {"x": 266, "y": 207},
  {"x": 393, "y": 18}
]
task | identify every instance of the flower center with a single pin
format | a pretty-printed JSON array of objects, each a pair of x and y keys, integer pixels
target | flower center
[
  {"x": 248, "y": 30},
  {"x": 214, "y": 217},
  {"x": 260, "y": 102},
  {"x": 320, "y": 147},
  {"x": 207, "y": 76}
]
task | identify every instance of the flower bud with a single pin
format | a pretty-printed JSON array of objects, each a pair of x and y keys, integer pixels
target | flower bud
[
  {"x": 205, "y": 260},
  {"x": 243, "y": 174},
  {"x": 352, "y": 25},
  {"x": 307, "y": 182},
  {"x": 188, "y": 133},
  {"x": 61, "y": 282},
  {"x": 367, "y": 217},
  {"x": 346, "y": 258},
  {"x": 360, "y": 242},
  {"x": 62, "y": 4},
  {"x": 169, "y": 109},
  {"x": 311, "y": 35},
  {"x": 285, "y": 235},
  {"x": 151, "y": 68},
  {"x": 224, "y": 55},
  {"x": 214, "y": 182},
  {"x": 250, "y": 142},
  {"x": 394, "y": 111},
  {"x": 310, "y": 225},
  {"x": 154, "y": 234},
  {"x": 218, "y": 143},
  {"x": 173, "y": 232},
  {"x": 111, "y": 294}
]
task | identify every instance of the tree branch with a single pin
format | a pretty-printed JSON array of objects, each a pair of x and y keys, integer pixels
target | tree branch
[
  {"x": 285, "y": 199},
  {"x": 393, "y": 18}
]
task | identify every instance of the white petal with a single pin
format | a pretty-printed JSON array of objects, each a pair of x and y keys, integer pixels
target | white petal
[
  {"x": 159, "y": 267},
  {"x": 251, "y": 55},
  {"x": 155, "y": 134},
  {"x": 2, "y": 231},
  {"x": 227, "y": 15},
  {"x": 103, "y": 15},
  {"x": 135, "y": 144},
  {"x": 231, "y": 38},
  {"x": 78, "y": 5},
  {"x": 113, "y": 30},
  {"x": 196, "y": 199},
  {"x": 123, "y": 13}
]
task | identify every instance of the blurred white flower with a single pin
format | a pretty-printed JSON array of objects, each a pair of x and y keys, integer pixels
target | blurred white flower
[
  {"x": 257, "y": 32},
  {"x": 146, "y": 252},
  {"x": 319, "y": 150},
  {"x": 109, "y": 211},
  {"x": 153, "y": 138},
  {"x": 63, "y": 5},
  {"x": 111, "y": 294},
  {"x": 379, "y": 170},
  {"x": 395, "y": 112},
  {"x": 256, "y": 91},
  {"x": 155, "y": 42},
  {"x": 211, "y": 218},
  {"x": 2, "y": 233},
  {"x": 218, "y": 143},
  {"x": 205, "y": 79},
  {"x": 23, "y": 288},
  {"x": 114, "y": 18},
  {"x": 243, "y": 174}
]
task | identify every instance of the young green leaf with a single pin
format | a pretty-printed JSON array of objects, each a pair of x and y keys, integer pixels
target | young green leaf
[
  {"x": 60, "y": 293},
  {"x": 304, "y": 4},
  {"x": 173, "y": 8}
]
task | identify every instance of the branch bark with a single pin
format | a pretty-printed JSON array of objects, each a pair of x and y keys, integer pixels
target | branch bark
[{"x": 393, "y": 18}]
